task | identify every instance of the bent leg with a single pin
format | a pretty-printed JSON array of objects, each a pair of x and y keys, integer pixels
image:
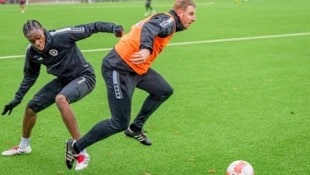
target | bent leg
[
  {"x": 41, "y": 100},
  {"x": 159, "y": 91},
  {"x": 67, "y": 116},
  {"x": 72, "y": 92}
]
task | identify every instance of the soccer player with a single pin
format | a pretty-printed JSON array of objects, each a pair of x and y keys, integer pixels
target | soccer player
[
  {"x": 75, "y": 78},
  {"x": 128, "y": 66},
  {"x": 22, "y": 5},
  {"x": 149, "y": 9}
]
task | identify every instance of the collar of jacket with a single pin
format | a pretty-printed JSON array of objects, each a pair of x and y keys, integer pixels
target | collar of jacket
[
  {"x": 179, "y": 25},
  {"x": 48, "y": 40}
]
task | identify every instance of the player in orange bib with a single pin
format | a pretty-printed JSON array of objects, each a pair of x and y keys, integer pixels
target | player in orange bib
[{"x": 127, "y": 67}]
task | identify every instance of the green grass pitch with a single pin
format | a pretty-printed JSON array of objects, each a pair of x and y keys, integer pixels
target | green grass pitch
[{"x": 241, "y": 76}]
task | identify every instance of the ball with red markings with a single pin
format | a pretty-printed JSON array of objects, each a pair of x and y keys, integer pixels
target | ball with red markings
[{"x": 240, "y": 167}]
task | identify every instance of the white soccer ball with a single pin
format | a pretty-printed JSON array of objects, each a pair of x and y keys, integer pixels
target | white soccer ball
[{"x": 240, "y": 167}]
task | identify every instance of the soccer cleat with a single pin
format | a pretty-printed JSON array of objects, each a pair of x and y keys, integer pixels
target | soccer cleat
[
  {"x": 82, "y": 161},
  {"x": 70, "y": 154},
  {"x": 140, "y": 136},
  {"x": 147, "y": 13},
  {"x": 16, "y": 150}
]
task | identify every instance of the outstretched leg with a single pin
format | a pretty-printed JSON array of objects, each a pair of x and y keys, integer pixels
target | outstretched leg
[{"x": 73, "y": 92}]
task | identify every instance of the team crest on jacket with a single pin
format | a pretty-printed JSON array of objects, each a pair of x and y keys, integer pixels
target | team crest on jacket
[{"x": 53, "y": 52}]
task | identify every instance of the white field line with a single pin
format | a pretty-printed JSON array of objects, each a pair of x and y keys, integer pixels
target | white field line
[
  {"x": 107, "y": 5},
  {"x": 241, "y": 39},
  {"x": 199, "y": 42}
]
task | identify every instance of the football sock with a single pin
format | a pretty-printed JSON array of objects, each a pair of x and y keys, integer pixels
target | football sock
[
  {"x": 83, "y": 151},
  {"x": 24, "y": 142},
  {"x": 75, "y": 148},
  {"x": 134, "y": 128}
]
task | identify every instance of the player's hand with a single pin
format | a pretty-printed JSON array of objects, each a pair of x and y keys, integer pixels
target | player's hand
[
  {"x": 118, "y": 31},
  {"x": 140, "y": 57},
  {"x": 9, "y": 107}
]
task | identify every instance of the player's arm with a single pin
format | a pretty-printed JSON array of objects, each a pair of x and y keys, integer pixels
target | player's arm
[
  {"x": 86, "y": 30},
  {"x": 31, "y": 73},
  {"x": 161, "y": 25}
]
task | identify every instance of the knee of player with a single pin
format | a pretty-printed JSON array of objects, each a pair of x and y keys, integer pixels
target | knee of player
[
  {"x": 33, "y": 108},
  {"x": 119, "y": 124},
  {"x": 59, "y": 99},
  {"x": 169, "y": 91},
  {"x": 30, "y": 111},
  {"x": 165, "y": 93}
]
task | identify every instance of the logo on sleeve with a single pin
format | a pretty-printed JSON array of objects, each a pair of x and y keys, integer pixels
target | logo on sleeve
[
  {"x": 167, "y": 23},
  {"x": 81, "y": 80},
  {"x": 37, "y": 57},
  {"x": 78, "y": 29}
]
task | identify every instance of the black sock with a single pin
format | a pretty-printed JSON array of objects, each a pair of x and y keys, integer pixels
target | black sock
[
  {"x": 75, "y": 148},
  {"x": 134, "y": 128}
]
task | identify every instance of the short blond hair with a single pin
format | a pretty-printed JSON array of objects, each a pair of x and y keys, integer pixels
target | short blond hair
[{"x": 183, "y": 4}]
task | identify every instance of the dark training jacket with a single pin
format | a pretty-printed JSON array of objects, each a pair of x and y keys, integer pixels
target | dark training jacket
[
  {"x": 158, "y": 25},
  {"x": 61, "y": 55}
]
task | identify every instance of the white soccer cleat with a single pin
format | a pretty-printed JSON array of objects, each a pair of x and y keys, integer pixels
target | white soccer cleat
[
  {"x": 147, "y": 13},
  {"x": 82, "y": 161},
  {"x": 17, "y": 151}
]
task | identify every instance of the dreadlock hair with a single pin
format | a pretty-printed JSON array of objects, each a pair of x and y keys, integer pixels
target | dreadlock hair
[{"x": 31, "y": 25}]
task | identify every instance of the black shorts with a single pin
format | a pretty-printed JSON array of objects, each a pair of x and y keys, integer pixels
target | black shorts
[{"x": 73, "y": 90}]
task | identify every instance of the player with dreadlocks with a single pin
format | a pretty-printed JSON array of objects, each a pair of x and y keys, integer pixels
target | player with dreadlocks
[{"x": 75, "y": 78}]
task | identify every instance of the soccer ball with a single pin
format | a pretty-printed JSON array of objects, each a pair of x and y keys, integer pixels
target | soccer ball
[{"x": 240, "y": 167}]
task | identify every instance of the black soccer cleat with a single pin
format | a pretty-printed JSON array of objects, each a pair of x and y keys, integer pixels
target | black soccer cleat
[
  {"x": 140, "y": 136},
  {"x": 70, "y": 153}
]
